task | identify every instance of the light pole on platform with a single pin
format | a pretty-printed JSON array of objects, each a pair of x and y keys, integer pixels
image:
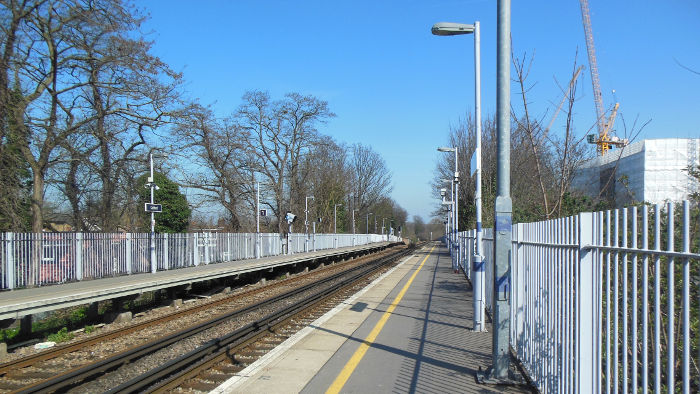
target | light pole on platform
[{"x": 478, "y": 270}]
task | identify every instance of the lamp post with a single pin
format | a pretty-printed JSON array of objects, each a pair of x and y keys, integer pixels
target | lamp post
[
  {"x": 383, "y": 228},
  {"x": 306, "y": 222},
  {"x": 448, "y": 220},
  {"x": 478, "y": 270},
  {"x": 453, "y": 215},
  {"x": 306, "y": 214},
  {"x": 367, "y": 222},
  {"x": 152, "y": 185},
  {"x": 154, "y": 263},
  {"x": 503, "y": 207},
  {"x": 353, "y": 226},
  {"x": 257, "y": 219},
  {"x": 335, "y": 223}
]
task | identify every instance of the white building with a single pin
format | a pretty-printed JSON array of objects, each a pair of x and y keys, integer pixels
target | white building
[{"x": 652, "y": 171}]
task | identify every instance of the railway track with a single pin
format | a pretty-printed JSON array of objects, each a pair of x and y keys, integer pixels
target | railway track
[
  {"x": 41, "y": 373},
  {"x": 207, "y": 367}
]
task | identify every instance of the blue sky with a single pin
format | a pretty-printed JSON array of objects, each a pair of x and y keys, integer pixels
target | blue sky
[{"x": 397, "y": 88}]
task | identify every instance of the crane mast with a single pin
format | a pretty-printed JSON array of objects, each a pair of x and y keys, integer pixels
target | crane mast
[
  {"x": 605, "y": 140},
  {"x": 593, "y": 64}
]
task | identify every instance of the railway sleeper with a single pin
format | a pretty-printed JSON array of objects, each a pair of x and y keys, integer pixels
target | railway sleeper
[
  {"x": 199, "y": 385},
  {"x": 11, "y": 385},
  {"x": 215, "y": 376}
]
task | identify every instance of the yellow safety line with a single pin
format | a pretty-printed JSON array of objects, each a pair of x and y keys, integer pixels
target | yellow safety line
[{"x": 349, "y": 368}]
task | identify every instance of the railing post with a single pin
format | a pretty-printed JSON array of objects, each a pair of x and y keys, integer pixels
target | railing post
[
  {"x": 586, "y": 345},
  {"x": 519, "y": 285},
  {"x": 196, "y": 249},
  {"x": 9, "y": 260},
  {"x": 128, "y": 253},
  {"x": 165, "y": 251},
  {"x": 79, "y": 256},
  {"x": 207, "y": 245},
  {"x": 154, "y": 257}
]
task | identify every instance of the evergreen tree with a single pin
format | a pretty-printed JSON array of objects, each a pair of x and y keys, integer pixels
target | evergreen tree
[{"x": 175, "y": 217}]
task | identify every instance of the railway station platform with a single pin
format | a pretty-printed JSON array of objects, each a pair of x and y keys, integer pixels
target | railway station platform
[
  {"x": 15, "y": 304},
  {"x": 409, "y": 331}
]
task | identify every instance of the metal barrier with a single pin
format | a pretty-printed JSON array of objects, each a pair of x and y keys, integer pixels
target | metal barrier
[
  {"x": 594, "y": 300},
  {"x": 29, "y": 259}
]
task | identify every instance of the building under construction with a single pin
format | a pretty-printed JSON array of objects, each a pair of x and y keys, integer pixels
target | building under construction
[{"x": 652, "y": 171}]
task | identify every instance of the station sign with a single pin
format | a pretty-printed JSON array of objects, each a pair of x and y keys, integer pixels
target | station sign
[{"x": 154, "y": 208}]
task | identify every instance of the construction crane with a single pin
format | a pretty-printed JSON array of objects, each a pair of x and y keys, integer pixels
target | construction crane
[
  {"x": 572, "y": 82},
  {"x": 605, "y": 140}
]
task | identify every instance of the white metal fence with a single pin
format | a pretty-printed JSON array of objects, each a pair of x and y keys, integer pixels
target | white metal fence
[
  {"x": 606, "y": 301},
  {"x": 30, "y": 259}
]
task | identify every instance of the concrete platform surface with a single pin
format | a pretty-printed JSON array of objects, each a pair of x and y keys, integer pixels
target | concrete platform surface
[
  {"x": 407, "y": 332},
  {"x": 21, "y": 302}
]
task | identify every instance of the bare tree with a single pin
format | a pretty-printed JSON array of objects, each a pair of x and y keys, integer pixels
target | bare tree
[
  {"x": 73, "y": 68},
  {"x": 553, "y": 159},
  {"x": 327, "y": 173},
  {"x": 279, "y": 134},
  {"x": 371, "y": 179},
  {"x": 218, "y": 148}
]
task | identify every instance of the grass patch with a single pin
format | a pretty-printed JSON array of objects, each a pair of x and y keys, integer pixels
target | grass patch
[{"x": 61, "y": 336}]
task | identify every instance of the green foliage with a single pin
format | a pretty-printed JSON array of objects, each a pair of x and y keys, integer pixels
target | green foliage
[
  {"x": 73, "y": 319},
  {"x": 8, "y": 334},
  {"x": 176, "y": 214},
  {"x": 61, "y": 336},
  {"x": 573, "y": 204},
  {"x": 90, "y": 329}
]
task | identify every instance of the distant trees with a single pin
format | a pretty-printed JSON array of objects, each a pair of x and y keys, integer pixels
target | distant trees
[
  {"x": 83, "y": 101},
  {"x": 276, "y": 142}
]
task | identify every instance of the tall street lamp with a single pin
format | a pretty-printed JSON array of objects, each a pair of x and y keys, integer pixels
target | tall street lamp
[
  {"x": 478, "y": 270},
  {"x": 335, "y": 224},
  {"x": 306, "y": 222},
  {"x": 257, "y": 219},
  {"x": 454, "y": 195},
  {"x": 353, "y": 221},
  {"x": 448, "y": 219},
  {"x": 306, "y": 214},
  {"x": 152, "y": 185},
  {"x": 353, "y": 226}
]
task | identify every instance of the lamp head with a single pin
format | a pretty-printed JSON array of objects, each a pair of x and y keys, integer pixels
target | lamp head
[
  {"x": 451, "y": 29},
  {"x": 445, "y": 149}
]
